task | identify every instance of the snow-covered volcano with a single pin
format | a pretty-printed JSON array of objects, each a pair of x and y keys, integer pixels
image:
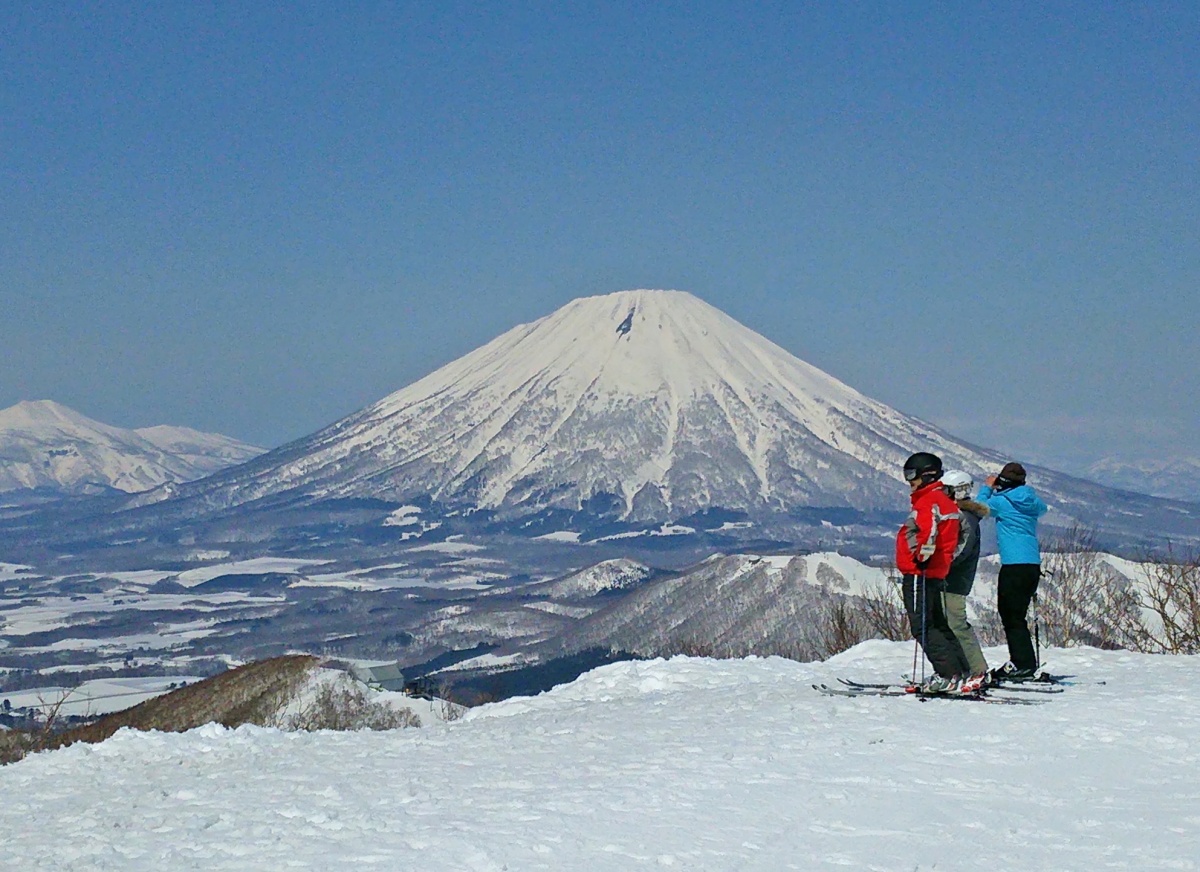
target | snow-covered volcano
[
  {"x": 44, "y": 444},
  {"x": 649, "y": 405},
  {"x": 653, "y": 398}
]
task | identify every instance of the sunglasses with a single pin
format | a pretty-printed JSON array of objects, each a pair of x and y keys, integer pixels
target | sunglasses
[{"x": 911, "y": 474}]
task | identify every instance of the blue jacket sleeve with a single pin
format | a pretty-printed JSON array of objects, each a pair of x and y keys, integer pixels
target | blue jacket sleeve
[{"x": 997, "y": 506}]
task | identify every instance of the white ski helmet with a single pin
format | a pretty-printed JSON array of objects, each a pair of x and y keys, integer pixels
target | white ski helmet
[{"x": 958, "y": 484}]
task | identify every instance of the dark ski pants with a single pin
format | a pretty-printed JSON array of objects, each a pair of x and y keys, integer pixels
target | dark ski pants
[
  {"x": 1016, "y": 589},
  {"x": 927, "y": 618}
]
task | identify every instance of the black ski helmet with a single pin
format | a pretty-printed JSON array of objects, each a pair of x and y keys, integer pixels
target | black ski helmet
[{"x": 923, "y": 465}]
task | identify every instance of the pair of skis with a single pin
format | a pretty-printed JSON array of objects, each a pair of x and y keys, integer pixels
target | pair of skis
[
  {"x": 858, "y": 689},
  {"x": 1047, "y": 685}
]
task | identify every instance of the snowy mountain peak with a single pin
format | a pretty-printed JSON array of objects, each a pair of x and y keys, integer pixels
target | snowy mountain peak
[
  {"x": 30, "y": 414},
  {"x": 44, "y": 444},
  {"x": 665, "y": 345},
  {"x": 652, "y": 400},
  {"x": 655, "y": 397}
]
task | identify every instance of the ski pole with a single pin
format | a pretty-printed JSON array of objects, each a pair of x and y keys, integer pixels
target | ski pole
[
  {"x": 924, "y": 625},
  {"x": 1037, "y": 630},
  {"x": 916, "y": 642}
]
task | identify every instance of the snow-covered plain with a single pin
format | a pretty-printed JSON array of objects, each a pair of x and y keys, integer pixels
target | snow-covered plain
[
  {"x": 38, "y": 614},
  {"x": 685, "y": 764},
  {"x": 255, "y": 565},
  {"x": 13, "y": 571},
  {"x": 98, "y": 697}
]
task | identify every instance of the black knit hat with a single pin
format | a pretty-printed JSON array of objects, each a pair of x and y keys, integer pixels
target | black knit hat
[{"x": 1012, "y": 475}]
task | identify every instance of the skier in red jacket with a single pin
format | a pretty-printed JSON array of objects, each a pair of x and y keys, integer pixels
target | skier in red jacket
[{"x": 924, "y": 550}]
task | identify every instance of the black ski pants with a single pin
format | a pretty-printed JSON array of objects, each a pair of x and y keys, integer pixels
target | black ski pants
[
  {"x": 1016, "y": 589},
  {"x": 927, "y": 618}
]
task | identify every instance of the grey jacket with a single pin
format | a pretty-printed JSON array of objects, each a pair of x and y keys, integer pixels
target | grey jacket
[{"x": 966, "y": 554}]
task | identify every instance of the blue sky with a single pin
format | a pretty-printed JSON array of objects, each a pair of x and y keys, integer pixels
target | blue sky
[{"x": 256, "y": 218}]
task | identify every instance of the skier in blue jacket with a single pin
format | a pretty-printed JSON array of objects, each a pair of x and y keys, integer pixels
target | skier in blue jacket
[{"x": 1016, "y": 509}]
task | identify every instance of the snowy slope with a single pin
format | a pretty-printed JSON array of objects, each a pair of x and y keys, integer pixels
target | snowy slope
[
  {"x": 44, "y": 444},
  {"x": 728, "y": 605},
  {"x": 683, "y": 764},
  {"x": 649, "y": 405}
]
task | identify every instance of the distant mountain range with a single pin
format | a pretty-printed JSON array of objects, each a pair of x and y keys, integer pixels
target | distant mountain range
[
  {"x": 45, "y": 445},
  {"x": 1172, "y": 478},
  {"x": 644, "y": 420}
]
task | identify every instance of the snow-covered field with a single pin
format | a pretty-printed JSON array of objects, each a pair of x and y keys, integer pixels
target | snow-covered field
[
  {"x": 255, "y": 565},
  {"x": 39, "y": 614},
  {"x": 97, "y": 697},
  {"x": 684, "y": 764}
]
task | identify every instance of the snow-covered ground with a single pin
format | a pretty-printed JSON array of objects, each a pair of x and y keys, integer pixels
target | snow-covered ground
[{"x": 685, "y": 764}]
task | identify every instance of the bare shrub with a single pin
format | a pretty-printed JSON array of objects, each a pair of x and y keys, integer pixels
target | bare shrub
[
  {"x": 1172, "y": 594},
  {"x": 843, "y": 621},
  {"x": 15, "y": 744},
  {"x": 883, "y": 610},
  {"x": 43, "y": 735},
  {"x": 1069, "y": 595},
  {"x": 693, "y": 647},
  {"x": 840, "y": 624},
  {"x": 450, "y": 711},
  {"x": 343, "y": 705},
  {"x": 1124, "y": 625},
  {"x": 447, "y": 709},
  {"x": 249, "y": 694},
  {"x": 825, "y": 623},
  {"x": 1082, "y": 601}
]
